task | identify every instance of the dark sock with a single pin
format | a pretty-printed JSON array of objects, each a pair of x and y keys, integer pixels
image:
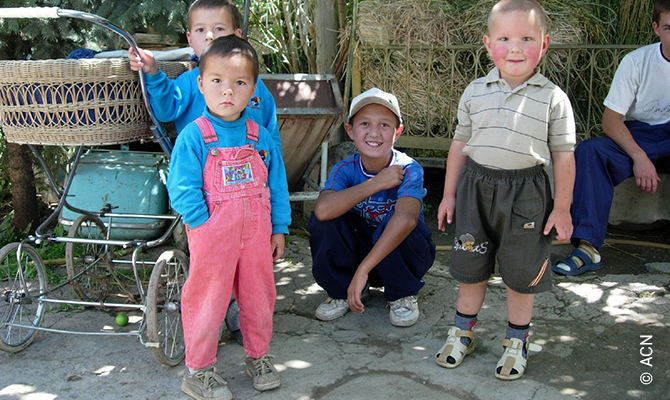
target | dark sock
[
  {"x": 465, "y": 322},
  {"x": 519, "y": 332}
]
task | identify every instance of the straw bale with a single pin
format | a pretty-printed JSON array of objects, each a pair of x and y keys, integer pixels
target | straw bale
[
  {"x": 372, "y": 30},
  {"x": 421, "y": 22}
]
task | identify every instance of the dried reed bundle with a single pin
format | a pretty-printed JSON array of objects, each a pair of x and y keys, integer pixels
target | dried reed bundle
[
  {"x": 419, "y": 22},
  {"x": 371, "y": 27},
  {"x": 635, "y": 19}
]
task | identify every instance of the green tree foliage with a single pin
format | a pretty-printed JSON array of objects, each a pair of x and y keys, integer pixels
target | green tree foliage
[
  {"x": 55, "y": 38},
  {"x": 283, "y": 32},
  {"x": 39, "y": 38},
  {"x": 167, "y": 18}
]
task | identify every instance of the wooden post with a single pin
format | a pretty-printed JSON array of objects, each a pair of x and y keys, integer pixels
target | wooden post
[
  {"x": 355, "y": 78},
  {"x": 326, "y": 35}
]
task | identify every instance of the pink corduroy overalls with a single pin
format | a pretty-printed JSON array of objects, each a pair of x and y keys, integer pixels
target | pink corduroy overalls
[{"x": 231, "y": 251}]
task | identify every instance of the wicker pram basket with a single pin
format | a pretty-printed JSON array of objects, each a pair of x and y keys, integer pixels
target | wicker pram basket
[{"x": 75, "y": 102}]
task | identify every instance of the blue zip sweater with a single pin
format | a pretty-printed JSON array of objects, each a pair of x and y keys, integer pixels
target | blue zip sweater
[
  {"x": 187, "y": 164},
  {"x": 180, "y": 100}
]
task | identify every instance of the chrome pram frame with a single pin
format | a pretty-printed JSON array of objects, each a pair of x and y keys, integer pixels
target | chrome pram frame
[{"x": 89, "y": 253}]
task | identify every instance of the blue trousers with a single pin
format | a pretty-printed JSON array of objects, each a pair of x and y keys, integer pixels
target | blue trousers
[
  {"x": 601, "y": 165},
  {"x": 339, "y": 245}
]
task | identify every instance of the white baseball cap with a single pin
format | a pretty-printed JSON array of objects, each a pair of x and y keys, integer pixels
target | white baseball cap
[{"x": 375, "y": 96}]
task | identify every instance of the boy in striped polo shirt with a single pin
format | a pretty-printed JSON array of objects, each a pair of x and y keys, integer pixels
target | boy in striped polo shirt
[{"x": 512, "y": 123}]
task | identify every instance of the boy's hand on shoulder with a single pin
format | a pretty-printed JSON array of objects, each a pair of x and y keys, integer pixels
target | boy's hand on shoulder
[
  {"x": 562, "y": 222},
  {"x": 445, "y": 212},
  {"x": 278, "y": 242},
  {"x": 390, "y": 177},
  {"x": 145, "y": 60}
]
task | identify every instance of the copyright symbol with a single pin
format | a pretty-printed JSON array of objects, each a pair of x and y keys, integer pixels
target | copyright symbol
[{"x": 646, "y": 378}]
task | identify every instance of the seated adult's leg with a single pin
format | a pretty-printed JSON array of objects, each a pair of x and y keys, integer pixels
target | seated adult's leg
[
  {"x": 601, "y": 165},
  {"x": 654, "y": 140}
]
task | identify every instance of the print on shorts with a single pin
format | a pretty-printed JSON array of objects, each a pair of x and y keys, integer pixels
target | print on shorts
[
  {"x": 237, "y": 174},
  {"x": 540, "y": 274},
  {"x": 466, "y": 242}
]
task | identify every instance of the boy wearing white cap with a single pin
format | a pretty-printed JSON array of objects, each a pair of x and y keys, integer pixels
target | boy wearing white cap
[{"x": 367, "y": 226}]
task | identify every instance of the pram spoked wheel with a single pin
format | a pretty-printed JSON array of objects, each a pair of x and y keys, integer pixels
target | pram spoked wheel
[
  {"x": 88, "y": 263},
  {"x": 163, "y": 307},
  {"x": 22, "y": 282}
]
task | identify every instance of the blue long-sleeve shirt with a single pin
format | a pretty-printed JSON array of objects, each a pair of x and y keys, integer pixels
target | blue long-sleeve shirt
[
  {"x": 187, "y": 164},
  {"x": 180, "y": 100}
]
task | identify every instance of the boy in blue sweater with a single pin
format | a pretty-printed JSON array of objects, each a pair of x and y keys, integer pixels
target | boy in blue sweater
[
  {"x": 179, "y": 99},
  {"x": 227, "y": 180}
]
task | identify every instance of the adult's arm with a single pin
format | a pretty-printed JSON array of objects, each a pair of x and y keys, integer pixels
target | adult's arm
[{"x": 646, "y": 176}]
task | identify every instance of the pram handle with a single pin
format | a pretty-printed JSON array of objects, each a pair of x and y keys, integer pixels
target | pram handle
[
  {"x": 29, "y": 12},
  {"x": 55, "y": 12}
]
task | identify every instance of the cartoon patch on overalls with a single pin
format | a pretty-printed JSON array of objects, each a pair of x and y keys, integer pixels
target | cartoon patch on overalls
[{"x": 237, "y": 174}]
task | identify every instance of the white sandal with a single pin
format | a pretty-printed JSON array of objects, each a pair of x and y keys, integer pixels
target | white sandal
[
  {"x": 455, "y": 348},
  {"x": 512, "y": 364}
]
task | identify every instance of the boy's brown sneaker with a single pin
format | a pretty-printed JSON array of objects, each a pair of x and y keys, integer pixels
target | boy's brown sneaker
[
  {"x": 263, "y": 372},
  {"x": 206, "y": 384}
]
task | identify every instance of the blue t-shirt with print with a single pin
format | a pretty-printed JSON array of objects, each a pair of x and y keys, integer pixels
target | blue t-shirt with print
[{"x": 350, "y": 172}]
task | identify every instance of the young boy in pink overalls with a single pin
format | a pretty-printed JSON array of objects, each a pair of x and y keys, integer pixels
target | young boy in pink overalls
[
  {"x": 180, "y": 101},
  {"x": 227, "y": 180}
]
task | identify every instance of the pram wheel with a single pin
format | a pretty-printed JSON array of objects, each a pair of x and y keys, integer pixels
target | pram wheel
[
  {"x": 163, "y": 307},
  {"x": 22, "y": 282},
  {"x": 88, "y": 263}
]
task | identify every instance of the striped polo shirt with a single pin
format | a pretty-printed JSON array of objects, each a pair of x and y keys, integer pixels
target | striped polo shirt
[{"x": 514, "y": 129}]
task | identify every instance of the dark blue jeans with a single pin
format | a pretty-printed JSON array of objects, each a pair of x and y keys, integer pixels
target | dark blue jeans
[
  {"x": 339, "y": 245},
  {"x": 601, "y": 165}
]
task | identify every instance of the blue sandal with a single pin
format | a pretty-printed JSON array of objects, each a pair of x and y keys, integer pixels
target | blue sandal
[{"x": 589, "y": 265}]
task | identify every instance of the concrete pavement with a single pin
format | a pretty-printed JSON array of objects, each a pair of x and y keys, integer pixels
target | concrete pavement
[{"x": 591, "y": 328}]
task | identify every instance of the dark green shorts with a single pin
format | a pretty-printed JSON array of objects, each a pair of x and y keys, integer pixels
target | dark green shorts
[{"x": 501, "y": 214}]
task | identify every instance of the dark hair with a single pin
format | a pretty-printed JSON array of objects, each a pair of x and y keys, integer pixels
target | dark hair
[
  {"x": 505, "y": 6},
  {"x": 210, "y": 4},
  {"x": 226, "y": 46},
  {"x": 660, "y": 7}
]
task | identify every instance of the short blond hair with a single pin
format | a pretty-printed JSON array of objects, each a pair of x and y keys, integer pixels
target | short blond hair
[{"x": 505, "y": 6}]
